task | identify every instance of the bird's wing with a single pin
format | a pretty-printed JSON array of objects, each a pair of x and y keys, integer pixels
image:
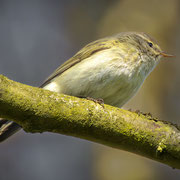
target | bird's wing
[{"x": 84, "y": 53}]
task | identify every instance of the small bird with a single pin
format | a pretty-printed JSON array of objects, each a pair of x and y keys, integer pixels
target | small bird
[{"x": 112, "y": 69}]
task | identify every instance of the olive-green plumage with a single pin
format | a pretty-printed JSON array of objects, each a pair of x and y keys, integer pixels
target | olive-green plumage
[{"x": 112, "y": 68}]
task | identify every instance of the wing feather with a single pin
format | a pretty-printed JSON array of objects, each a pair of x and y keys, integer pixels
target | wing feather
[{"x": 84, "y": 53}]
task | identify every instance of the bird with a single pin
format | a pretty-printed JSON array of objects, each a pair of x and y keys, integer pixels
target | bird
[{"x": 112, "y": 69}]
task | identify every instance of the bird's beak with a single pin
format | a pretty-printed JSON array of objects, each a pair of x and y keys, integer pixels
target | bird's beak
[{"x": 166, "y": 55}]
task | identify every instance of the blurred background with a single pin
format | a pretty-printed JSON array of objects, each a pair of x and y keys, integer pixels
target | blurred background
[{"x": 36, "y": 36}]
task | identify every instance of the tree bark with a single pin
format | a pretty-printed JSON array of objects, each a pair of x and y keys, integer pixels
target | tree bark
[{"x": 38, "y": 110}]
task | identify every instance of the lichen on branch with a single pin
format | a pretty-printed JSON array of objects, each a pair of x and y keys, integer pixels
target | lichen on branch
[{"x": 38, "y": 110}]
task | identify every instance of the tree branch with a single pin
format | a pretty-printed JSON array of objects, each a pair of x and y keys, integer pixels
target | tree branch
[{"x": 38, "y": 110}]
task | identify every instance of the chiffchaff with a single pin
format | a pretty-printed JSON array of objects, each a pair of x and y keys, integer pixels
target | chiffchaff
[{"x": 112, "y": 69}]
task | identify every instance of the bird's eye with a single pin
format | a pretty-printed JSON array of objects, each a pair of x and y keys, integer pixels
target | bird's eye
[{"x": 150, "y": 44}]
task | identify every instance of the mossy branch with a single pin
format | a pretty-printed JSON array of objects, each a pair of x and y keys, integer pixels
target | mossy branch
[{"x": 38, "y": 110}]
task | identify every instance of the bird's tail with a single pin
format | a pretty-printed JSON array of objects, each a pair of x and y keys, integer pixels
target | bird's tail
[{"x": 7, "y": 129}]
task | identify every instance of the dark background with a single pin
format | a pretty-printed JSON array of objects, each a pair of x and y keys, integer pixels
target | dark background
[{"x": 36, "y": 36}]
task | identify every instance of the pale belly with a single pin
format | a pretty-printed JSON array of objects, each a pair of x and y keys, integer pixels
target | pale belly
[{"x": 111, "y": 83}]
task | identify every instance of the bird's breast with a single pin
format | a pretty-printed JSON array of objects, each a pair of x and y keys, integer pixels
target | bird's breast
[{"x": 104, "y": 75}]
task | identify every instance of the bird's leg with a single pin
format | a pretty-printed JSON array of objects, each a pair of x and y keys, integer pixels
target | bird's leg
[{"x": 98, "y": 100}]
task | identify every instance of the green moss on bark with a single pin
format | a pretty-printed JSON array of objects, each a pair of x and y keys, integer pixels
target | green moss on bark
[{"x": 38, "y": 110}]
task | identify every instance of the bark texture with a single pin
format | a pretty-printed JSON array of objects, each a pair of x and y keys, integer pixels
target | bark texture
[{"x": 38, "y": 110}]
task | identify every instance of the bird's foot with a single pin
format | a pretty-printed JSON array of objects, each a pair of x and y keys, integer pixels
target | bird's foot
[{"x": 98, "y": 100}]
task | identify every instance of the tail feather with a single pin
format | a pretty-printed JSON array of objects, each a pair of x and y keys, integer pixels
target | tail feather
[{"x": 7, "y": 129}]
